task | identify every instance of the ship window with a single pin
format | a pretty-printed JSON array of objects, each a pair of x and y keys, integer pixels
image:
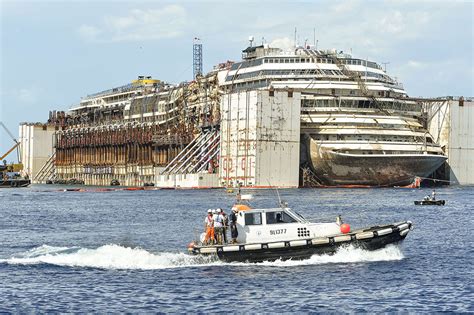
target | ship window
[
  {"x": 253, "y": 218},
  {"x": 279, "y": 217}
]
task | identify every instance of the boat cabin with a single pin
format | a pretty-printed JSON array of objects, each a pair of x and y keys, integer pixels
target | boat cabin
[{"x": 278, "y": 224}]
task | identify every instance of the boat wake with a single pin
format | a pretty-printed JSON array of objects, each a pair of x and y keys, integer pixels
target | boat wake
[
  {"x": 349, "y": 254},
  {"x": 119, "y": 257},
  {"x": 107, "y": 257}
]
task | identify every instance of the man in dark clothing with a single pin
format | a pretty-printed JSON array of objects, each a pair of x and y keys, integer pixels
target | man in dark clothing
[
  {"x": 225, "y": 225},
  {"x": 233, "y": 226}
]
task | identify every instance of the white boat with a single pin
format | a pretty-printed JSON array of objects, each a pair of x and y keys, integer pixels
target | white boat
[{"x": 282, "y": 234}]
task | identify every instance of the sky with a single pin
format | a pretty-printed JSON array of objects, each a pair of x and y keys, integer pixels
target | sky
[{"x": 52, "y": 53}]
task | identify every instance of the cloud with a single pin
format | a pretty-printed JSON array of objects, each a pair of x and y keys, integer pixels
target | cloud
[
  {"x": 284, "y": 43},
  {"x": 138, "y": 25}
]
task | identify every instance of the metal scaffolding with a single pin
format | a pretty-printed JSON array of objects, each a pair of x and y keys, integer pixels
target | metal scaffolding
[{"x": 197, "y": 57}]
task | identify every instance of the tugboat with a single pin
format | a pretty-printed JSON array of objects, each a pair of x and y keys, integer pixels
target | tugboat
[{"x": 282, "y": 234}]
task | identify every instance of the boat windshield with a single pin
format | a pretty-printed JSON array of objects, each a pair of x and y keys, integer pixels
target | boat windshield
[{"x": 299, "y": 216}]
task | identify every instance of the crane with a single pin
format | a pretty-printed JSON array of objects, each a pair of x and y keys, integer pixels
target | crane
[{"x": 17, "y": 144}]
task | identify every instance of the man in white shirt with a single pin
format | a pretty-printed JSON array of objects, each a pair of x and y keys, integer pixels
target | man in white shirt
[{"x": 218, "y": 226}]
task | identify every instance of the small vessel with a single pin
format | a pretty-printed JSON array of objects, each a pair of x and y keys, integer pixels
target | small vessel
[
  {"x": 430, "y": 202},
  {"x": 14, "y": 182},
  {"x": 282, "y": 234},
  {"x": 10, "y": 174}
]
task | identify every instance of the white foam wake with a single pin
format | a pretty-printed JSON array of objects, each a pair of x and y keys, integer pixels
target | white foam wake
[
  {"x": 349, "y": 254},
  {"x": 107, "y": 257},
  {"x": 119, "y": 257}
]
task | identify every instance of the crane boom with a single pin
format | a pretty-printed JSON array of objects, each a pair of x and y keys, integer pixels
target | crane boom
[
  {"x": 10, "y": 151},
  {"x": 8, "y": 131}
]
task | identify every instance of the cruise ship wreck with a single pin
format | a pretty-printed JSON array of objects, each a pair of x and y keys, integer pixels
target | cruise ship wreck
[
  {"x": 275, "y": 118},
  {"x": 358, "y": 126}
]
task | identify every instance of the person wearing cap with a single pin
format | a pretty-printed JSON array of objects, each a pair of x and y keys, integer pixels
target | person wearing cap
[
  {"x": 225, "y": 225},
  {"x": 209, "y": 228},
  {"x": 218, "y": 225},
  {"x": 233, "y": 226}
]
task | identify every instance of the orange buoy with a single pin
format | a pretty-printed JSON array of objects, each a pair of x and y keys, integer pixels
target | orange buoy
[{"x": 345, "y": 228}]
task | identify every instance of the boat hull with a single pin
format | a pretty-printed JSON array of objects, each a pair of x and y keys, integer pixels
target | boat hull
[
  {"x": 14, "y": 183},
  {"x": 372, "y": 238},
  {"x": 430, "y": 202},
  {"x": 339, "y": 169}
]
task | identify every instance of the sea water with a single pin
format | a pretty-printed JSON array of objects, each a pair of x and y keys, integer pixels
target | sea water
[{"x": 125, "y": 251}]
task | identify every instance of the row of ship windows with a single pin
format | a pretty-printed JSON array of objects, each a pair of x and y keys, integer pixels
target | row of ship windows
[
  {"x": 249, "y": 85},
  {"x": 257, "y": 62},
  {"x": 383, "y": 138},
  {"x": 301, "y": 72},
  {"x": 394, "y": 105},
  {"x": 360, "y": 125}
]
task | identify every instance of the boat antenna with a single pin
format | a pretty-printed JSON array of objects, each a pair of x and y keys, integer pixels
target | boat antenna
[
  {"x": 281, "y": 203},
  {"x": 239, "y": 195},
  {"x": 295, "y": 36}
]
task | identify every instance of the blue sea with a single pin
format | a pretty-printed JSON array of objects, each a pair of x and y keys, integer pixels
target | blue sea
[{"x": 125, "y": 251}]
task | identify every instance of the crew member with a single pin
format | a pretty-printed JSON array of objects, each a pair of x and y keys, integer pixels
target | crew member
[
  {"x": 225, "y": 225},
  {"x": 218, "y": 225},
  {"x": 433, "y": 195},
  {"x": 233, "y": 226},
  {"x": 209, "y": 227}
]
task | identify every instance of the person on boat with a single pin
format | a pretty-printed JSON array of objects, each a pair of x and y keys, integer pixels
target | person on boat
[
  {"x": 233, "y": 226},
  {"x": 218, "y": 226},
  {"x": 426, "y": 198},
  {"x": 278, "y": 218},
  {"x": 225, "y": 225},
  {"x": 209, "y": 227},
  {"x": 433, "y": 195}
]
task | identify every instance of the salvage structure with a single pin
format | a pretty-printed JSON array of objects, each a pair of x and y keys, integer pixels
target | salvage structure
[{"x": 303, "y": 117}]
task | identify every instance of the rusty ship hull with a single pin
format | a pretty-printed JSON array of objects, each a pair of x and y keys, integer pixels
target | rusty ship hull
[{"x": 378, "y": 170}]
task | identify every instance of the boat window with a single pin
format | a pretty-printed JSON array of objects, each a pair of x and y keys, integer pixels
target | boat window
[
  {"x": 253, "y": 218},
  {"x": 278, "y": 217}
]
